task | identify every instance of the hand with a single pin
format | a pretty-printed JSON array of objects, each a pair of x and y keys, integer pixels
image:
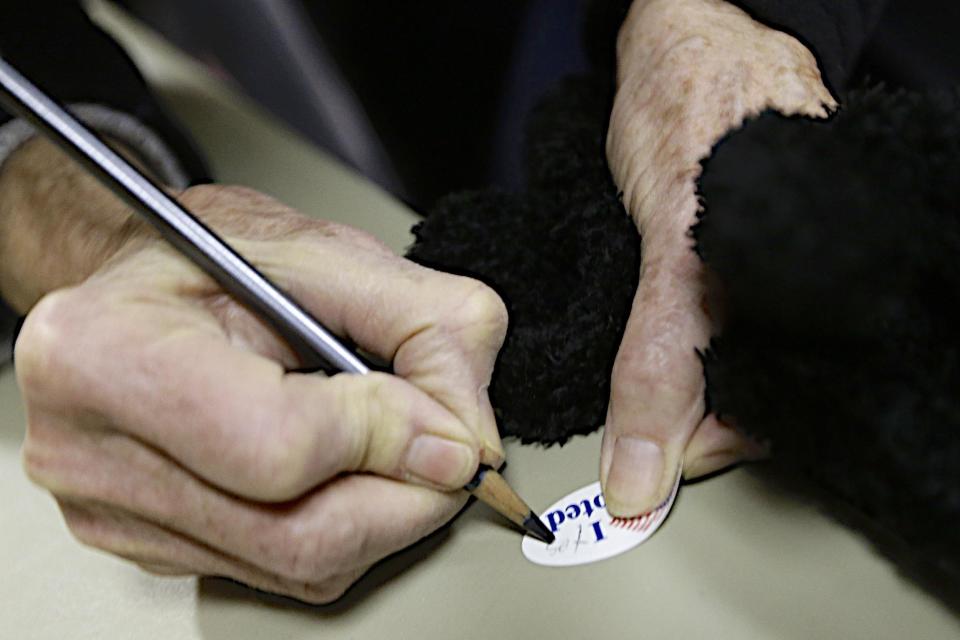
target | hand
[
  {"x": 689, "y": 71},
  {"x": 161, "y": 417}
]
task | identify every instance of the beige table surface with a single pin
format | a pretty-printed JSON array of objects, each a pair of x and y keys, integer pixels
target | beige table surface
[{"x": 736, "y": 559}]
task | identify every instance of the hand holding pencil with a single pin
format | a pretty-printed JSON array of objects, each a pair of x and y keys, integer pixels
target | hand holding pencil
[
  {"x": 162, "y": 420},
  {"x": 157, "y": 336}
]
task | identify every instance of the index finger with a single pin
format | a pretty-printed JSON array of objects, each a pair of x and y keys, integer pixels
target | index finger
[
  {"x": 441, "y": 332},
  {"x": 232, "y": 417}
]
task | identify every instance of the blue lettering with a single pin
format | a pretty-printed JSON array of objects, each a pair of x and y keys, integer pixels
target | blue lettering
[
  {"x": 597, "y": 531},
  {"x": 555, "y": 518},
  {"x": 598, "y": 501},
  {"x": 575, "y": 510}
]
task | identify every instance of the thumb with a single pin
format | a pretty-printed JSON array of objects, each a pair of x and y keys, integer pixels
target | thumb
[
  {"x": 383, "y": 424},
  {"x": 231, "y": 416},
  {"x": 657, "y": 388}
]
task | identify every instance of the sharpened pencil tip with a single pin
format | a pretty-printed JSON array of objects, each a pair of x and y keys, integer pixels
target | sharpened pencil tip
[{"x": 537, "y": 529}]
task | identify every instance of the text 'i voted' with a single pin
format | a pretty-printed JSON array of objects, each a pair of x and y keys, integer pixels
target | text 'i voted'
[{"x": 586, "y": 532}]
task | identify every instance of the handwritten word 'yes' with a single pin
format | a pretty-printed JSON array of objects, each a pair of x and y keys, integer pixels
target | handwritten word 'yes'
[{"x": 584, "y": 508}]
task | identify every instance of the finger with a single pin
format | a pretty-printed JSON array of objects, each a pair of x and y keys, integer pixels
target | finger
[
  {"x": 450, "y": 327},
  {"x": 441, "y": 332},
  {"x": 235, "y": 418},
  {"x": 343, "y": 527},
  {"x": 715, "y": 446},
  {"x": 168, "y": 553},
  {"x": 657, "y": 386},
  {"x": 163, "y": 569}
]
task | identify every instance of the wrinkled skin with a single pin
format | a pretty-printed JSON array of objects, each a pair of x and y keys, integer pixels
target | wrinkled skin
[
  {"x": 689, "y": 71},
  {"x": 162, "y": 420},
  {"x": 160, "y": 414}
]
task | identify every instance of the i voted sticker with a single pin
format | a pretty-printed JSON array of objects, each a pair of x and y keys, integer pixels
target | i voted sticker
[{"x": 586, "y": 532}]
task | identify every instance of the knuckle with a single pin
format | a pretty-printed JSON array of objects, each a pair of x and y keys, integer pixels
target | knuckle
[
  {"x": 352, "y": 235},
  {"x": 42, "y": 335},
  {"x": 35, "y": 458},
  {"x": 267, "y": 445},
  {"x": 342, "y": 542},
  {"x": 333, "y": 591},
  {"x": 277, "y": 456},
  {"x": 44, "y": 342},
  {"x": 368, "y": 414},
  {"x": 55, "y": 458},
  {"x": 662, "y": 389},
  {"x": 325, "y": 592},
  {"x": 84, "y": 525},
  {"x": 317, "y": 554},
  {"x": 481, "y": 307},
  {"x": 294, "y": 444},
  {"x": 297, "y": 445},
  {"x": 366, "y": 417},
  {"x": 649, "y": 359},
  {"x": 659, "y": 372}
]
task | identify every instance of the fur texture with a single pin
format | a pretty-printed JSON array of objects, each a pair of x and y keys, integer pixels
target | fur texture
[
  {"x": 837, "y": 244},
  {"x": 565, "y": 258},
  {"x": 839, "y": 259}
]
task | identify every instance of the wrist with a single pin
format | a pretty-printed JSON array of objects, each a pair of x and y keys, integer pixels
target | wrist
[{"x": 57, "y": 224}]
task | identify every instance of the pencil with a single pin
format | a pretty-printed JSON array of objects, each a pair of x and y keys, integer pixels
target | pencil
[{"x": 316, "y": 346}]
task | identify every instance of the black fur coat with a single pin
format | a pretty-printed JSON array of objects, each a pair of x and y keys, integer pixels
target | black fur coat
[{"x": 838, "y": 246}]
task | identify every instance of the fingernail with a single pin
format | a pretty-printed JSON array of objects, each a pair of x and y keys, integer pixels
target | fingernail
[
  {"x": 635, "y": 477},
  {"x": 440, "y": 461}
]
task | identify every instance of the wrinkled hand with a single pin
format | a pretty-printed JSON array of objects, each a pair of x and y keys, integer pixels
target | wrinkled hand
[
  {"x": 689, "y": 71},
  {"x": 162, "y": 419}
]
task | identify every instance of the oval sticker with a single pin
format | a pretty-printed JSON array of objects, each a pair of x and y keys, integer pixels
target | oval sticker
[{"x": 586, "y": 532}]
